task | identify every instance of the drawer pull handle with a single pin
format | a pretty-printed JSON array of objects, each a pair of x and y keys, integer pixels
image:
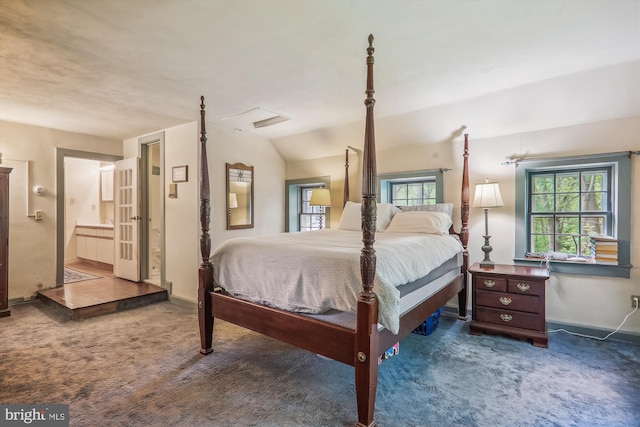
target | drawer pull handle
[
  {"x": 523, "y": 287},
  {"x": 505, "y": 301},
  {"x": 506, "y": 317},
  {"x": 489, "y": 283}
]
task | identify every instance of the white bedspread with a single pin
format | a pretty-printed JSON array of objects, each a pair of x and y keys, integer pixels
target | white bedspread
[{"x": 312, "y": 272}]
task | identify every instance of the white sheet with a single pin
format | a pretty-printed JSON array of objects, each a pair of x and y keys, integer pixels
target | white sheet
[{"x": 312, "y": 272}]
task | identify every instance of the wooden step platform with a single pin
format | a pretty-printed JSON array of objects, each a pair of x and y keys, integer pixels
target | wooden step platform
[{"x": 102, "y": 295}]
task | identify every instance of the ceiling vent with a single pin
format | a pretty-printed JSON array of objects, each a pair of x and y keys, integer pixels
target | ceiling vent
[
  {"x": 270, "y": 121},
  {"x": 255, "y": 118}
]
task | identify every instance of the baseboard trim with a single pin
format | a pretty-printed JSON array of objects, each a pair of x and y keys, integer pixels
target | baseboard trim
[
  {"x": 183, "y": 302},
  {"x": 452, "y": 311},
  {"x": 593, "y": 332}
]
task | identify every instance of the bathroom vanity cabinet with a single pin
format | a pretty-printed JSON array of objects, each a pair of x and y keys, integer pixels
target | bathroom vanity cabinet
[{"x": 95, "y": 243}]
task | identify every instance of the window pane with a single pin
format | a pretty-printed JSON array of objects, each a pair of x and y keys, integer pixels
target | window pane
[
  {"x": 567, "y": 244},
  {"x": 543, "y": 183},
  {"x": 567, "y": 225},
  {"x": 429, "y": 191},
  {"x": 543, "y": 203},
  {"x": 541, "y": 243},
  {"x": 399, "y": 191},
  {"x": 593, "y": 224},
  {"x": 542, "y": 225},
  {"x": 568, "y": 202},
  {"x": 594, "y": 181},
  {"x": 567, "y": 182},
  {"x": 593, "y": 202}
]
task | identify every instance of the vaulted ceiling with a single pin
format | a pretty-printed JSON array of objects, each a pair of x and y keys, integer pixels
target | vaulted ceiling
[{"x": 123, "y": 68}]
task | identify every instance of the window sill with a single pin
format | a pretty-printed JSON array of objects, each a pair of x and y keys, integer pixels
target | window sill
[{"x": 581, "y": 268}]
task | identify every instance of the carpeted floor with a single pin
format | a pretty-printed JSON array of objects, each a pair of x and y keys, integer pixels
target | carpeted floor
[{"x": 142, "y": 368}]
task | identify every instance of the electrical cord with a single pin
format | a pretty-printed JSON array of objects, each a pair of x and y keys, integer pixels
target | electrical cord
[{"x": 598, "y": 338}]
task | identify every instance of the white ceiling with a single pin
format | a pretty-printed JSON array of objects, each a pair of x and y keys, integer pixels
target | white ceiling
[{"x": 124, "y": 68}]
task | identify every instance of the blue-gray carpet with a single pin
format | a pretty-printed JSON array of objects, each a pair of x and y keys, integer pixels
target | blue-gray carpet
[{"x": 142, "y": 368}]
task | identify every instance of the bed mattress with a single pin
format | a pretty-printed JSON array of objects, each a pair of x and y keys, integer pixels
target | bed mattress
[{"x": 315, "y": 272}]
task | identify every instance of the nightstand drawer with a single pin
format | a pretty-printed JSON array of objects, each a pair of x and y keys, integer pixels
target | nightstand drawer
[
  {"x": 508, "y": 318},
  {"x": 528, "y": 303},
  {"x": 490, "y": 283},
  {"x": 525, "y": 287}
]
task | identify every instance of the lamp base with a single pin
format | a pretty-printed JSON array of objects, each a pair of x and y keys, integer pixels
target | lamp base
[
  {"x": 487, "y": 264},
  {"x": 486, "y": 248}
]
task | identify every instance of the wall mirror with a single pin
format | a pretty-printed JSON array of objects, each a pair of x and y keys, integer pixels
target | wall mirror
[{"x": 239, "y": 196}]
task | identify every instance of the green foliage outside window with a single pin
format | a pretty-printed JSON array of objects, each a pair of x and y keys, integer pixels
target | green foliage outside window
[
  {"x": 413, "y": 193},
  {"x": 566, "y": 207}
]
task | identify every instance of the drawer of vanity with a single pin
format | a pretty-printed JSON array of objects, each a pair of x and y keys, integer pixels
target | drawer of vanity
[
  {"x": 528, "y": 303},
  {"x": 508, "y": 318},
  {"x": 490, "y": 283},
  {"x": 525, "y": 287}
]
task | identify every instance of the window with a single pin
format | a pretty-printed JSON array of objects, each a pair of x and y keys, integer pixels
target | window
[
  {"x": 560, "y": 202},
  {"x": 567, "y": 206},
  {"x": 298, "y": 210},
  {"x": 412, "y": 188},
  {"x": 411, "y": 193},
  {"x": 310, "y": 217}
]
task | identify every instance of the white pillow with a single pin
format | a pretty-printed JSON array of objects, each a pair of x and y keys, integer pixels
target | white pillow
[
  {"x": 438, "y": 207},
  {"x": 352, "y": 217},
  {"x": 420, "y": 222},
  {"x": 384, "y": 215}
]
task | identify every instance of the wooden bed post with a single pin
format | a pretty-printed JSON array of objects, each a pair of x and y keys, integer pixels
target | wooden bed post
[
  {"x": 366, "y": 346},
  {"x": 345, "y": 195},
  {"x": 464, "y": 230},
  {"x": 205, "y": 272}
]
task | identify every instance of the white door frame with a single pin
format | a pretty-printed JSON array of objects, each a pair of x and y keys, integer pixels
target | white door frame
[{"x": 145, "y": 230}]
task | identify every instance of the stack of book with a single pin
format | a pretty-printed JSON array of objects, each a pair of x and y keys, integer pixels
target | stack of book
[{"x": 605, "y": 249}]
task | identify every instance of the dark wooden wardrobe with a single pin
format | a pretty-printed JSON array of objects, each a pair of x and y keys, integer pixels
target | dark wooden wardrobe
[{"x": 4, "y": 242}]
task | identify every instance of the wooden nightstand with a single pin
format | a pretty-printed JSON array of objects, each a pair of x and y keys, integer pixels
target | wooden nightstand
[{"x": 509, "y": 299}]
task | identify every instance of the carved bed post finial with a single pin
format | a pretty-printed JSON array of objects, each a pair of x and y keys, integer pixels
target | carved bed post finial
[
  {"x": 205, "y": 272},
  {"x": 367, "y": 338},
  {"x": 368, "y": 254},
  {"x": 464, "y": 229},
  {"x": 205, "y": 197}
]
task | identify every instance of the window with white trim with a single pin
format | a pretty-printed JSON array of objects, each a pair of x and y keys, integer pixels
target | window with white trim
[
  {"x": 567, "y": 206},
  {"x": 412, "y": 188},
  {"x": 310, "y": 217},
  {"x": 296, "y": 210},
  {"x": 561, "y": 202}
]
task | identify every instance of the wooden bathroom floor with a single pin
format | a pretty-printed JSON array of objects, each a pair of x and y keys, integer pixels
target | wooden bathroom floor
[{"x": 103, "y": 295}]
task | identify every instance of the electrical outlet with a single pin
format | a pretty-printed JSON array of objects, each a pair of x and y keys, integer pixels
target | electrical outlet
[{"x": 635, "y": 300}]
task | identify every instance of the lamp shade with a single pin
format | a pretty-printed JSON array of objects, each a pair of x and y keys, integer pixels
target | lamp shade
[
  {"x": 233, "y": 201},
  {"x": 320, "y": 197},
  {"x": 488, "y": 195}
]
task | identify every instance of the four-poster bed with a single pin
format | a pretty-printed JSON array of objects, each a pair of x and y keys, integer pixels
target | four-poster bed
[{"x": 361, "y": 339}]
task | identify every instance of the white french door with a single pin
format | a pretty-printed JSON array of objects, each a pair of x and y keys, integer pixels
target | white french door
[{"x": 127, "y": 220}]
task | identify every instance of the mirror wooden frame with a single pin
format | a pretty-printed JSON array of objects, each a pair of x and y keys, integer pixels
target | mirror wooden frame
[{"x": 239, "y": 174}]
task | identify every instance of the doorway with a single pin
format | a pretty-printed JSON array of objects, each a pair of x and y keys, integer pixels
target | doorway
[
  {"x": 152, "y": 241},
  {"x": 80, "y": 208},
  {"x": 152, "y": 266}
]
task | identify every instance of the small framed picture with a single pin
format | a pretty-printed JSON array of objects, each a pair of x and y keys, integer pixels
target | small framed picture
[{"x": 180, "y": 174}]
